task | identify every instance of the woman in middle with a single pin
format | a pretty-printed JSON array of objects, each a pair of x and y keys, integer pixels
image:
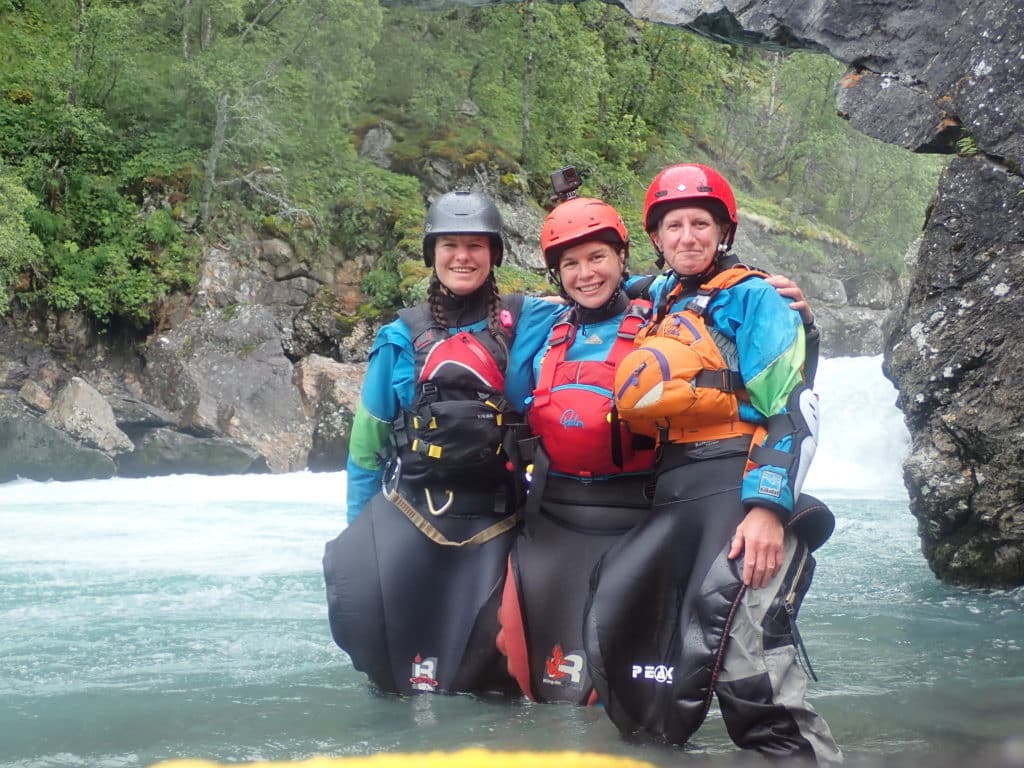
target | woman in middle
[{"x": 589, "y": 478}]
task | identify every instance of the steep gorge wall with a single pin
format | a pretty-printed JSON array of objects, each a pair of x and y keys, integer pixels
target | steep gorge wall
[{"x": 923, "y": 75}]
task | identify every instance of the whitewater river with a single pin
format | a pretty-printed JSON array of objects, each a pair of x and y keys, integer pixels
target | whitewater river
[{"x": 147, "y": 619}]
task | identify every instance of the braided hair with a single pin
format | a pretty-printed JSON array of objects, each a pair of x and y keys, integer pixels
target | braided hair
[
  {"x": 435, "y": 292},
  {"x": 494, "y": 312}
]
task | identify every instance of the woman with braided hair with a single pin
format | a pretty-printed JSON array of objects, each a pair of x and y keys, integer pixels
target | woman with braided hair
[{"x": 434, "y": 484}]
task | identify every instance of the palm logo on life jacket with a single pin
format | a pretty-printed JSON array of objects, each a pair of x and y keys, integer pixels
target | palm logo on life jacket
[
  {"x": 459, "y": 416},
  {"x": 573, "y": 408},
  {"x": 571, "y": 420},
  {"x": 676, "y": 384}
]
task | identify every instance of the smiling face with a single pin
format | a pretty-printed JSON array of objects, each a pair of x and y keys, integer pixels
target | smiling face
[
  {"x": 590, "y": 272},
  {"x": 462, "y": 262},
  {"x": 689, "y": 238}
]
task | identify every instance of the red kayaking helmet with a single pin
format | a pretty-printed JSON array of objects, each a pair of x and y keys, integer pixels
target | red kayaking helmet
[
  {"x": 578, "y": 220},
  {"x": 691, "y": 184}
]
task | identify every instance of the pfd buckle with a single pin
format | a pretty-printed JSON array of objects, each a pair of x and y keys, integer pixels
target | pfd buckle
[
  {"x": 699, "y": 303},
  {"x": 561, "y": 332}
]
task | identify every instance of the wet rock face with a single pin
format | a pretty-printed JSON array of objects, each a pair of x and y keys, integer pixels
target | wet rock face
[
  {"x": 226, "y": 375},
  {"x": 33, "y": 450},
  {"x": 958, "y": 362},
  {"x": 920, "y": 72}
]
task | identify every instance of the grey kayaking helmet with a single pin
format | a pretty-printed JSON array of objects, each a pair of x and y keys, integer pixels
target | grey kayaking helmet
[{"x": 463, "y": 212}]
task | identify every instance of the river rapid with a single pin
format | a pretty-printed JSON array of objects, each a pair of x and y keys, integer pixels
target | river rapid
[{"x": 146, "y": 619}]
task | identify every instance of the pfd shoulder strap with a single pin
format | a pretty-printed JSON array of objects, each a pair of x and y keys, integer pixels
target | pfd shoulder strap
[
  {"x": 733, "y": 275},
  {"x": 423, "y": 329},
  {"x": 508, "y": 318},
  {"x": 638, "y": 312},
  {"x": 513, "y": 304},
  {"x": 727, "y": 278},
  {"x": 641, "y": 287},
  {"x": 564, "y": 332}
]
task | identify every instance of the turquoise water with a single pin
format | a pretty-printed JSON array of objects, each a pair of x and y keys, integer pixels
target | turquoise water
[{"x": 147, "y": 619}]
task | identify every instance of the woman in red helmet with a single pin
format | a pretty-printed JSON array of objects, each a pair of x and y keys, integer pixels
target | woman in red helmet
[
  {"x": 701, "y": 597},
  {"x": 588, "y": 475}
]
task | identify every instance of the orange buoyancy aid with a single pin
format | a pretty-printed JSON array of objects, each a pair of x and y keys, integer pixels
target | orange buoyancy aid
[
  {"x": 676, "y": 385},
  {"x": 573, "y": 412}
]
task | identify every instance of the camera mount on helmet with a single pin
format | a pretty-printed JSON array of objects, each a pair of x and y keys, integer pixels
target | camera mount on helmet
[
  {"x": 576, "y": 219},
  {"x": 565, "y": 181}
]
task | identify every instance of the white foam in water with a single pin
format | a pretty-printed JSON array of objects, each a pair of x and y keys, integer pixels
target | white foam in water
[
  {"x": 298, "y": 487},
  {"x": 180, "y": 523},
  {"x": 863, "y": 435},
  {"x": 863, "y": 442}
]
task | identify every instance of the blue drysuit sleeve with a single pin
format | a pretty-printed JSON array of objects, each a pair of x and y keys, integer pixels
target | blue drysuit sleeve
[
  {"x": 769, "y": 345},
  {"x": 387, "y": 387},
  {"x": 532, "y": 331}
]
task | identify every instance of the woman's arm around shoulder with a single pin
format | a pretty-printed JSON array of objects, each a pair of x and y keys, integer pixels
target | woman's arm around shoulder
[
  {"x": 533, "y": 328},
  {"x": 769, "y": 340}
]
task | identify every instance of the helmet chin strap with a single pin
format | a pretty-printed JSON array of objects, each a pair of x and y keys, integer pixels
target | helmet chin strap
[{"x": 555, "y": 281}]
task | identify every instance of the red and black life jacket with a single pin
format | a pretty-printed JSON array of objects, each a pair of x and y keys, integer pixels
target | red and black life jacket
[
  {"x": 573, "y": 405},
  {"x": 459, "y": 418}
]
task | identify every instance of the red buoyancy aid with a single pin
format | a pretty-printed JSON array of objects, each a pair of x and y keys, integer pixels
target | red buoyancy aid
[
  {"x": 676, "y": 385},
  {"x": 573, "y": 408}
]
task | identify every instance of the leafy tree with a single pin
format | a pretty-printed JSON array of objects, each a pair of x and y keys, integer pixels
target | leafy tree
[
  {"x": 258, "y": 60},
  {"x": 20, "y": 249},
  {"x": 131, "y": 126}
]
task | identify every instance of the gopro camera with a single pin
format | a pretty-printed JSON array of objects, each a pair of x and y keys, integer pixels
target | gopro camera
[{"x": 565, "y": 182}]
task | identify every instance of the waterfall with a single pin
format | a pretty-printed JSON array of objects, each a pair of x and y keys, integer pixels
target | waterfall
[{"x": 863, "y": 437}]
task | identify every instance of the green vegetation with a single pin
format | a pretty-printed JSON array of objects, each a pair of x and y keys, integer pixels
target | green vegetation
[
  {"x": 965, "y": 146},
  {"x": 132, "y": 133},
  {"x": 513, "y": 279}
]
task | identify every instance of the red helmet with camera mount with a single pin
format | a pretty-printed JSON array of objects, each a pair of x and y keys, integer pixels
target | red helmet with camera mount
[
  {"x": 577, "y": 220},
  {"x": 690, "y": 184}
]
